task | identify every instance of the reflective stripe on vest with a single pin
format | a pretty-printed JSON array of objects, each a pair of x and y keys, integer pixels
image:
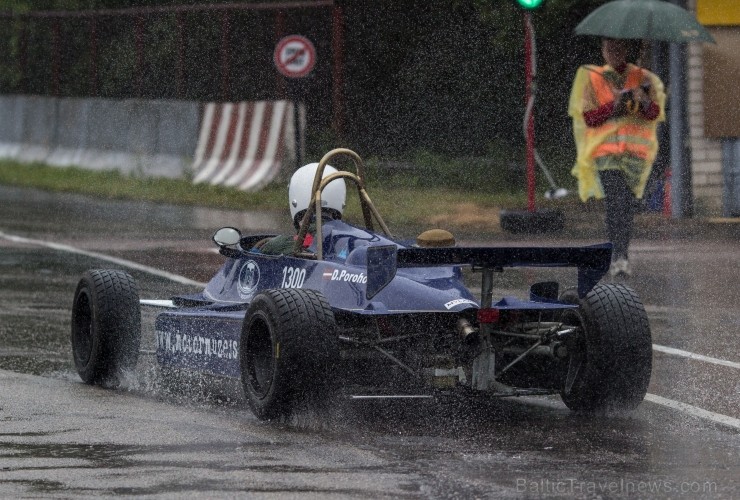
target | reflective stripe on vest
[{"x": 631, "y": 136}]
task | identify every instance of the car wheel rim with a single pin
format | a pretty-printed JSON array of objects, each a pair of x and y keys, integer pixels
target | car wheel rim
[
  {"x": 575, "y": 363},
  {"x": 576, "y": 349},
  {"x": 83, "y": 329},
  {"x": 260, "y": 357}
]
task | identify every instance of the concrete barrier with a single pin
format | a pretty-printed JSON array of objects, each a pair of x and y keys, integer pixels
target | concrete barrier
[
  {"x": 244, "y": 144},
  {"x": 144, "y": 137},
  {"x": 155, "y": 138}
]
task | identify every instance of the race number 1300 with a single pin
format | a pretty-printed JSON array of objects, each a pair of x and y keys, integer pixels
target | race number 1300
[{"x": 293, "y": 277}]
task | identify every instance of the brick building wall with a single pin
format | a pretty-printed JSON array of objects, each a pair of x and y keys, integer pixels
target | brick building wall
[{"x": 706, "y": 153}]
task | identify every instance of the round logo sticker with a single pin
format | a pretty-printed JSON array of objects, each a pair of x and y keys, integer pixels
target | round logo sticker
[{"x": 249, "y": 278}]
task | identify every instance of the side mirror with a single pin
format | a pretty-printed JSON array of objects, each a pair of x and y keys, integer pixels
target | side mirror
[{"x": 227, "y": 237}]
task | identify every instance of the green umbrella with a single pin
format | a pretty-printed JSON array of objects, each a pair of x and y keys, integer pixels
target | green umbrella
[{"x": 644, "y": 19}]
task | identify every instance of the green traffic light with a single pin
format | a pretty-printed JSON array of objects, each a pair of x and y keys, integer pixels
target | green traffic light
[{"x": 529, "y": 4}]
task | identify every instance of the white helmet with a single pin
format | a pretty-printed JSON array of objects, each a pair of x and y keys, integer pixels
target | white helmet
[{"x": 333, "y": 196}]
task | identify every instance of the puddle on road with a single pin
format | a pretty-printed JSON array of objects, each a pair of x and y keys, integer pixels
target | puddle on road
[
  {"x": 34, "y": 365},
  {"x": 106, "y": 455},
  {"x": 207, "y": 462}
]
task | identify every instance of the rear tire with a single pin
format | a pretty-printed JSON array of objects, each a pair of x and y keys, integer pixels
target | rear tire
[
  {"x": 288, "y": 350},
  {"x": 610, "y": 360},
  {"x": 106, "y": 326}
]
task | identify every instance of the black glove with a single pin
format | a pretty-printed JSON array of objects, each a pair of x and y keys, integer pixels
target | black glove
[
  {"x": 623, "y": 104},
  {"x": 627, "y": 104},
  {"x": 645, "y": 101}
]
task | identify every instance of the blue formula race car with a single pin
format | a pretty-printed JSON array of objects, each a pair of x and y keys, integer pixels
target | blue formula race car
[{"x": 359, "y": 313}]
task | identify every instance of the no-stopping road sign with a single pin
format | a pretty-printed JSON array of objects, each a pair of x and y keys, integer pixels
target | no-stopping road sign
[{"x": 295, "y": 56}]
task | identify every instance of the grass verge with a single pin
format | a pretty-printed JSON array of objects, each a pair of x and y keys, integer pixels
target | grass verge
[
  {"x": 409, "y": 203},
  {"x": 115, "y": 186}
]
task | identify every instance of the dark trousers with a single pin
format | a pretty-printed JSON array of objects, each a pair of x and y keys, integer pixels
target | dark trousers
[{"x": 620, "y": 211}]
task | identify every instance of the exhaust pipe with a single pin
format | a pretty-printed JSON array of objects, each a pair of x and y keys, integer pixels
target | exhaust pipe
[{"x": 467, "y": 331}]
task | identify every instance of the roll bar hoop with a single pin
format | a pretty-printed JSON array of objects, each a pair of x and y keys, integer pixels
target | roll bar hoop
[{"x": 368, "y": 209}]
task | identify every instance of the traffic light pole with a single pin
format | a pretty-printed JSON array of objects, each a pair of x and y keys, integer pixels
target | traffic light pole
[
  {"x": 528, "y": 79},
  {"x": 531, "y": 220}
]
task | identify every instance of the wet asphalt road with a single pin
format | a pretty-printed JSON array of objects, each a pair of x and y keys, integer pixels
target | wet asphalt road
[{"x": 61, "y": 438}]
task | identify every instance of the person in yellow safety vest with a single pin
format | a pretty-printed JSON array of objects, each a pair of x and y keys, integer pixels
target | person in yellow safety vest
[{"x": 616, "y": 109}]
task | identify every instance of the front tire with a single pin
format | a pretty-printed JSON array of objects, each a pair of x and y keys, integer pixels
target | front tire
[
  {"x": 610, "y": 359},
  {"x": 288, "y": 350},
  {"x": 106, "y": 326}
]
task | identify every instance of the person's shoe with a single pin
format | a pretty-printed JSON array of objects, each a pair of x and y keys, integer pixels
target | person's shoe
[{"x": 620, "y": 268}]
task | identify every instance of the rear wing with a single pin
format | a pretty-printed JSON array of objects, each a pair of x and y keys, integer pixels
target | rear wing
[{"x": 592, "y": 261}]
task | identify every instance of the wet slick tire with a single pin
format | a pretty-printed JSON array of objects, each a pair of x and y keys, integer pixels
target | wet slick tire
[
  {"x": 288, "y": 350},
  {"x": 610, "y": 359},
  {"x": 106, "y": 326}
]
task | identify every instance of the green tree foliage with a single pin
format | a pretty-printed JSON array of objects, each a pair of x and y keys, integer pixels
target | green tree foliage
[{"x": 444, "y": 75}]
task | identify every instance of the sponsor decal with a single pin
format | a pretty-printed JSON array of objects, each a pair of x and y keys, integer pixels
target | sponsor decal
[
  {"x": 293, "y": 277},
  {"x": 457, "y": 302},
  {"x": 343, "y": 275},
  {"x": 249, "y": 278},
  {"x": 175, "y": 343}
]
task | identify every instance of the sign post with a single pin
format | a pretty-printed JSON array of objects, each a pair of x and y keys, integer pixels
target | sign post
[{"x": 295, "y": 58}]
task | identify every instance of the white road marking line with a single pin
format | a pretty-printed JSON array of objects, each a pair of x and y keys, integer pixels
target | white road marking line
[
  {"x": 694, "y": 410},
  {"x": 391, "y": 396},
  {"x": 698, "y": 357},
  {"x": 549, "y": 402},
  {"x": 121, "y": 262},
  {"x": 158, "y": 303}
]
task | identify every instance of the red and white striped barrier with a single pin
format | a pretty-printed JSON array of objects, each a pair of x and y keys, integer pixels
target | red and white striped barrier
[{"x": 244, "y": 144}]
